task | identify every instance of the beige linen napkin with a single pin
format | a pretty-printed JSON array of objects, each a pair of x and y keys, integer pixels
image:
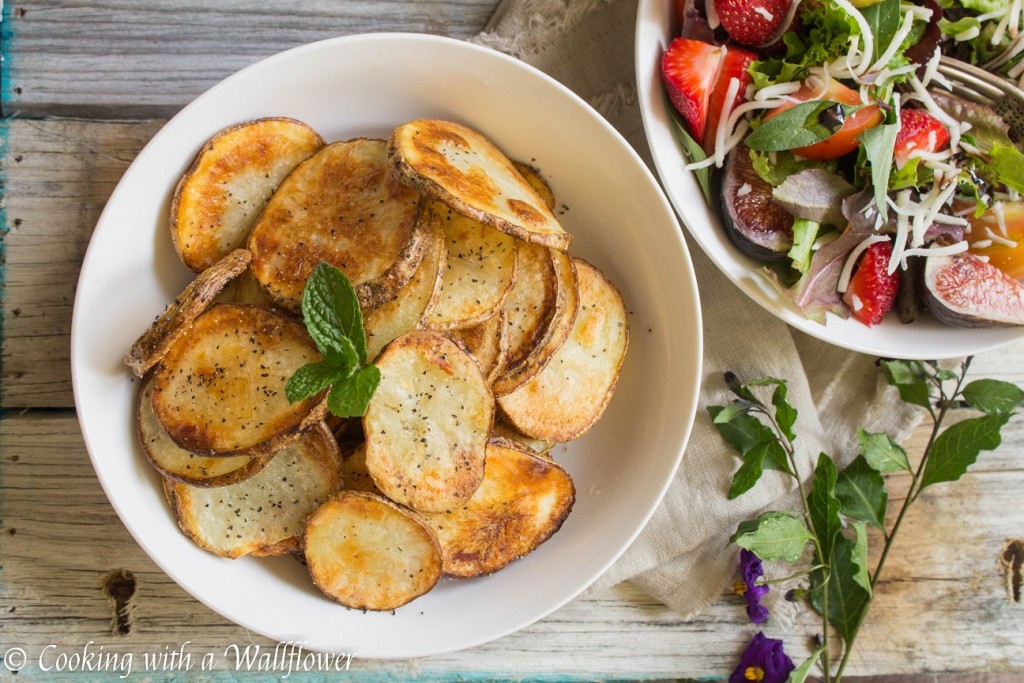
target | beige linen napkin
[{"x": 682, "y": 557}]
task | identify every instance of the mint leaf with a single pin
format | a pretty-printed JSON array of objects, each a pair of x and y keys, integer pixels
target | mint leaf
[
  {"x": 882, "y": 453},
  {"x": 847, "y": 599},
  {"x": 312, "y": 378},
  {"x": 861, "y": 493},
  {"x": 860, "y": 556},
  {"x": 823, "y": 505},
  {"x": 331, "y": 310},
  {"x": 773, "y": 536},
  {"x": 993, "y": 396},
  {"x": 350, "y": 396},
  {"x": 957, "y": 448},
  {"x": 797, "y": 127}
]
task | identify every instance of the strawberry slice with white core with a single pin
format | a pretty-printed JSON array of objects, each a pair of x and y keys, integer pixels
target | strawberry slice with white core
[
  {"x": 735, "y": 64},
  {"x": 689, "y": 69},
  {"x": 872, "y": 291},
  {"x": 919, "y": 131}
]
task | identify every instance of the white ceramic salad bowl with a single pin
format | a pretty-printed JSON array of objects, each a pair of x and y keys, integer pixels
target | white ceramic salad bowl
[{"x": 926, "y": 338}]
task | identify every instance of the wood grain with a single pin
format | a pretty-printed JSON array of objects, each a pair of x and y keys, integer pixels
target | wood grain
[{"x": 130, "y": 59}]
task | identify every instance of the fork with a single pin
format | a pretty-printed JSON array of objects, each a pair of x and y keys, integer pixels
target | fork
[{"x": 978, "y": 85}]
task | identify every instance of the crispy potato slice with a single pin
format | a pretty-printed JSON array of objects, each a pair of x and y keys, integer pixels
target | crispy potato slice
[
  {"x": 480, "y": 272},
  {"x": 522, "y": 501},
  {"x": 504, "y": 430},
  {"x": 466, "y": 171},
  {"x": 427, "y": 424},
  {"x": 266, "y": 513},
  {"x": 571, "y": 393},
  {"x": 220, "y": 197},
  {"x": 567, "y": 302},
  {"x": 531, "y": 304},
  {"x": 487, "y": 343},
  {"x": 220, "y": 389},
  {"x": 179, "y": 315},
  {"x": 537, "y": 182},
  {"x": 404, "y": 313},
  {"x": 368, "y": 553},
  {"x": 244, "y": 289},
  {"x": 354, "y": 472},
  {"x": 340, "y": 206},
  {"x": 181, "y": 465}
]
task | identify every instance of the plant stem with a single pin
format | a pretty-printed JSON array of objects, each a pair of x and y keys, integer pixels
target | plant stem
[{"x": 912, "y": 493}]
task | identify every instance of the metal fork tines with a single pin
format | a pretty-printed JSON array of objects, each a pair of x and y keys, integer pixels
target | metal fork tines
[{"x": 978, "y": 85}]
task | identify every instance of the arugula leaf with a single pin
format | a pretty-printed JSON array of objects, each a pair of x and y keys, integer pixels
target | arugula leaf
[
  {"x": 884, "y": 19},
  {"x": 993, "y": 397},
  {"x": 334, "y": 320},
  {"x": 799, "y": 126},
  {"x": 691, "y": 150},
  {"x": 861, "y": 493},
  {"x": 773, "y": 536},
  {"x": 823, "y": 505},
  {"x": 882, "y": 453},
  {"x": 957, "y": 448},
  {"x": 878, "y": 144},
  {"x": 1008, "y": 165}
]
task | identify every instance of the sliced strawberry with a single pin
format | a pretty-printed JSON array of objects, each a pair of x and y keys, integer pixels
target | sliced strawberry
[
  {"x": 872, "y": 291},
  {"x": 735, "y": 64},
  {"x": 689, "y": 69},
  {"x": 919, "y": 130},
  {"x": 753, "y": 22}
]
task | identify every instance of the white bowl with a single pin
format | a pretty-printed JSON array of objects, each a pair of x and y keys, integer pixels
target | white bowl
[
  {"x": 925, "y": 338},
  {"x": 365, "y": 85}
]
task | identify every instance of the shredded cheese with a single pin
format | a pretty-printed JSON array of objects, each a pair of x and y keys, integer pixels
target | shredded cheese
[
  {"x": 896, "y": 42},
  {"x": 865, "y": 35},
  {"x": 933, "y": 250}
]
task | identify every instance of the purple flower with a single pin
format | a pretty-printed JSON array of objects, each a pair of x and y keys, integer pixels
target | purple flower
[
  {"x": 751, "y": 569},
  {"x": 763, "y": 662}
]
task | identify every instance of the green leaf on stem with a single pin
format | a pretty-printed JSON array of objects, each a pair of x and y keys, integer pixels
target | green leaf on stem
[
  {"x": 911, "y": 379},
  {"x": 312, "y": 378},
  {"x": 726, "y": 414},
  {"x": 860, "y": 555},
  {"x": 847, "y": 598},
  {"x": 744, "y": 433},
  {"x": 861, "y": 492},
  {"x": 823, "y": 505},
  {"x": 777, "y": 535},
  {"x": 882, "y": 453},
  {"x": 800, "y": 674},
  {"x": 748, "y": 473},
  {"x": 993, "y": 397},
  {"x": 957, "y": 448},
  {"x": 785, "y": 413}
]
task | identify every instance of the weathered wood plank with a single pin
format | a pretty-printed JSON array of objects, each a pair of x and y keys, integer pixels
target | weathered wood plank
[
  {"x": 943, "y": 597},
  {"x": 129, "y": 59}
]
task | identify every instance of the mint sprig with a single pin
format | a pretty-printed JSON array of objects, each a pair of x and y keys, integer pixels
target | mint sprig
[
  {"x": 842, "y": 503},
  {"x": 334, "y": 320}
]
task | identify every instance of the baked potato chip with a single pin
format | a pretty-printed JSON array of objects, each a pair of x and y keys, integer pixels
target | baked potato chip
[
  {"x": 530, "y": 305},
  {"x": 571, "y": 393},
  {"x": 537, "y": 182},
  {"x": 354, "y": 472},
  {"x": 480, "y": 272},
  {"x": 466, "y": 171},
  {"x": 566, "y": 305},
  {"x": 340, "y": 206},
  {"x": 404, "y": 313},
  {"x": 368, "y": 553},
  {"x": 522, "y": 501},
  {"x": 220, "y": 197},
  {"x": 487, "y": 343},
  {"x": 181, "y": 465},
  {"x": 266, "y": 513},
  {"x": 427, "y": 424},
  {"x": 244, "y": 289},
  {"x": 504, "y": 430},
  {"x": 219, "y": 391},
  {"x": 179, "y": 315}
]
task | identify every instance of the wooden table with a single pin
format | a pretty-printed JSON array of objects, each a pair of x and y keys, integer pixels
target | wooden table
[{"x": 84, "y": 86}]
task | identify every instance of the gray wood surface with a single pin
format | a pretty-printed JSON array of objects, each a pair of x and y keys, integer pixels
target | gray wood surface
[{"x": 123, "y": 66}]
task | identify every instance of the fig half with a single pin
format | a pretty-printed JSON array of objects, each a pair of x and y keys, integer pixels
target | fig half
[
  {"x": 966, "y": 291},
  {"x": 757, "y": 226}
]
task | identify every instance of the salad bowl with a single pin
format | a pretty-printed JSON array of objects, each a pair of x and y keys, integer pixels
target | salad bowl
[{"x": 925, "y": 338}]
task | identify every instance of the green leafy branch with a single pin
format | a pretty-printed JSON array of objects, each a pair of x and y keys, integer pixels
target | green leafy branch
[{"x": 842, "y": 504}]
